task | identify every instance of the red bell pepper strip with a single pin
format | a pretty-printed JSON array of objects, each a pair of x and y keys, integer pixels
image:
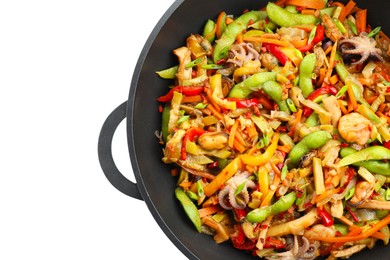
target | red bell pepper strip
[
  {"x": 327, "y": 89},
  {"x": 325, "y": 218},
  {"x": 185, "y": 90},
  {"x": 274, "y": 50},
  {"x": 240, "y": 214},
  {"x": 319, "y": 36},
  {"x": 386, "y": 144},
  {"x": 240, "y": 241},
  {"x": 245, "y": 103},
  {"x": 190, "y": 136}
]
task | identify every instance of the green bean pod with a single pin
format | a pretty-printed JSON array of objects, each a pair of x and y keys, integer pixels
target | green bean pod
[
  {"x": 311, "y": 141},
  {"x": 208, "y": 30},
  {"x": 232, "y": 30},
  {"x": 373, "y": 166},
  {"x": 275, "y": 91},
  {"x": 283, "y": 204},
  {"x": 250, "y": 84},
  {"x": 190, "y": 208},
  {"x": 306, "y": 69},
  {"x": 164, "y": 121},
  {"x": 284, "y": 18}
]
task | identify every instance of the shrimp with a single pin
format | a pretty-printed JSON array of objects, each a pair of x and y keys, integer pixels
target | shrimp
[
  {"x": 355, "y": 128},
  {"x": 363, "y": 191}
]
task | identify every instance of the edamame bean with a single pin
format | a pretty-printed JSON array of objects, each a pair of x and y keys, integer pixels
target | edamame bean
[
  {"x": 311, "y": 141},
  {"x": 275, "y": 91},
  {"x": 306, "y": 69},
  {"x": 284, "y": 18},
  {"x": 232, "y": 30},
  {"x": 252, "y": 83},
  {"x": 365, "y": 155},
  {"x": 283, "y": 204}
]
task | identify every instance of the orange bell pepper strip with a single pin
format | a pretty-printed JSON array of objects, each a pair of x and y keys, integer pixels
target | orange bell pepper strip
[
  {"x": 257, "y": 160},
  {"x": 223, "y": 176}
]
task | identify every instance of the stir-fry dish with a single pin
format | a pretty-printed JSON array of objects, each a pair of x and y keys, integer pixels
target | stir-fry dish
[{"x": 276, "y": 125}]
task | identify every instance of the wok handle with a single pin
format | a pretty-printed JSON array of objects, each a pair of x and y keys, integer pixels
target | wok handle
[{"x": 106, "y": 160}]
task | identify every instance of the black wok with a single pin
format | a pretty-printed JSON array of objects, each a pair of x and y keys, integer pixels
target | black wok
[{"x": 153, "y": 183}]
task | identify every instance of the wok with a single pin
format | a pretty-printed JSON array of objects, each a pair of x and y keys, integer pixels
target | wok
[{"x": 153, "y": 184}]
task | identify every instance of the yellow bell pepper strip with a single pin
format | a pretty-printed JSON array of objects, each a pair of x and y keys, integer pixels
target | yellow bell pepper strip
[
  {"x": 223, "y": 176},
  {"x": 217, "y": 96},
  {"x": 232, "y": 30},
  {"x": 257, "y": 160},
  {"x": 293, "y": 54}
]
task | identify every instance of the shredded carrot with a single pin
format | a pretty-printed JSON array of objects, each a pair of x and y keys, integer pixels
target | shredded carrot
[
  {"x": 238, "y": 146},
  {"x": 306, "y": 27},
  {"x": 326, "y": 194},
  {"x": 232, "y": 133},
  {"x": 346, "y": 220},
  {"x": 219, "y": 23},
  {"x": 274, "y": 168},
  {"x": 251, "y": 130},
  {"x": 382, "y": 107},
  {"x": 299, "y": 43},
  {"x": 211, "y": 100},
  {"x": 354, "y": 230},
  {"x": 266, "y": 40},
  {"x": 186, "y": 185},
  {"x": 284, "y": 148},
  {"x": 308, "y": 11},
  {"x": 321, "y": 78},
  {"x": 334, "y": 79},
  {"x": 349, "y": 238},
  {"x": 347, "y": 10},
  {"x": 351, "y": 96},
  {"x": 332, "y": 60},
  {"x": 191, "y": 99},
  {"x": 271, "y": 192},
  {"x": 313, "y": 4},
  {"x": 239, "y": 38},
  {"x": 329, "y": 49},
  {"x": 297, "y": 119},
  {"x": 208, "y": 210},
  {"x": 361, "y": 20},
  {"x": 229, "y": 20},
  {"x": 239, "y": 137},
  {"x": 215, "y": 112},
  {"x": 210, "y": 222},
  {"x": 379, "y": 235}
]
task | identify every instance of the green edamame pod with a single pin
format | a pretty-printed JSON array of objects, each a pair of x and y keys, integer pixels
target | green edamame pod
[
  {"x": 370, "y": 153},
  {"x": 373, "y": 166},
  {"x": 275, "y": 91},
  {"x": 232, "y": 30},
  {"x": 311, "y": 141},
  {"x": 306, "y": 69},
  {"x": 189, "y": 207},
  {"x": 252, "y": 83},
  {"x": 283, "y": 204},
  {"x": 284, "y": 18},
  {"x": 208, "y": 31}
]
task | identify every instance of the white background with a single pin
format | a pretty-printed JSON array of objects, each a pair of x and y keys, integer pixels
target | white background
[{"x": 64, "y": 66}]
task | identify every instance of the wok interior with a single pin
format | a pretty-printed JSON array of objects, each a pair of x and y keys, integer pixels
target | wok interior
[{"x": 153, "y": 177}]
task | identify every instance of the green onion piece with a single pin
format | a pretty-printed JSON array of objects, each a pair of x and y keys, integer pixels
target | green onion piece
[
  {"x": 240, "y": 188},
  {"x": 352, "y": 26},
  {"x": 350, "y": 193},
  {"x": 200, "y": 188},
  {"x": 283, "y": 173},
  {"x": 212, "y": 66},
  {"x": 291, "y": 105},
  {"x": 374, "y": 32},
  {"x": 339, "y": 25},
  {"x": 194, "y": 62},
  {"x": 200, "y": 106},
  {"x": 182, "y": 119},
  {"x": 312, "y": 34},
  {"x": 341, "y": 91}
]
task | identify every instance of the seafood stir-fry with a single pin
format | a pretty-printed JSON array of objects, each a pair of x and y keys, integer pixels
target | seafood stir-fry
[{"x": 276, "y": 125}]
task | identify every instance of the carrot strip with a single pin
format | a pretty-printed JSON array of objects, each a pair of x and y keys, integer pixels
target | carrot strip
[
  {"x": 208, "y": 210},
  {"x": 313, "y": 4},
  {"x": 332, "y": 60},
  {"x": 326, "y": 194},
  {"x": 347, "y": 10},
  {"x": 232, "y": 133},
  {"x": 191, "y": 99},
  {"x": 271, "y": 192},
  {"x": 219, "y": 23},
  {"x": 334, "y": 79},
  {"x": 266, "y": 40},
  {"x": 251, "y": 130},
  {"x": 211, "y": 100},
  {"x": 185, "y": 185},
  {"x": 348, "y": 238},
  {"x": 346, "y": 221},
  {"x": 215, "y": 112},
  {"x": 284, "y": 148},
  {"x": 239, "y": 38},
  {"x": 351, "y": 96},
  {"x": 308, "y": 11},
  {"x": 239, "y": 137},
  {"x": 361, "y": 20},
  {"x": 297, "y": 119},
  {"x": 237, "y": 145},
  {"x": 379, "y": 235}
]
